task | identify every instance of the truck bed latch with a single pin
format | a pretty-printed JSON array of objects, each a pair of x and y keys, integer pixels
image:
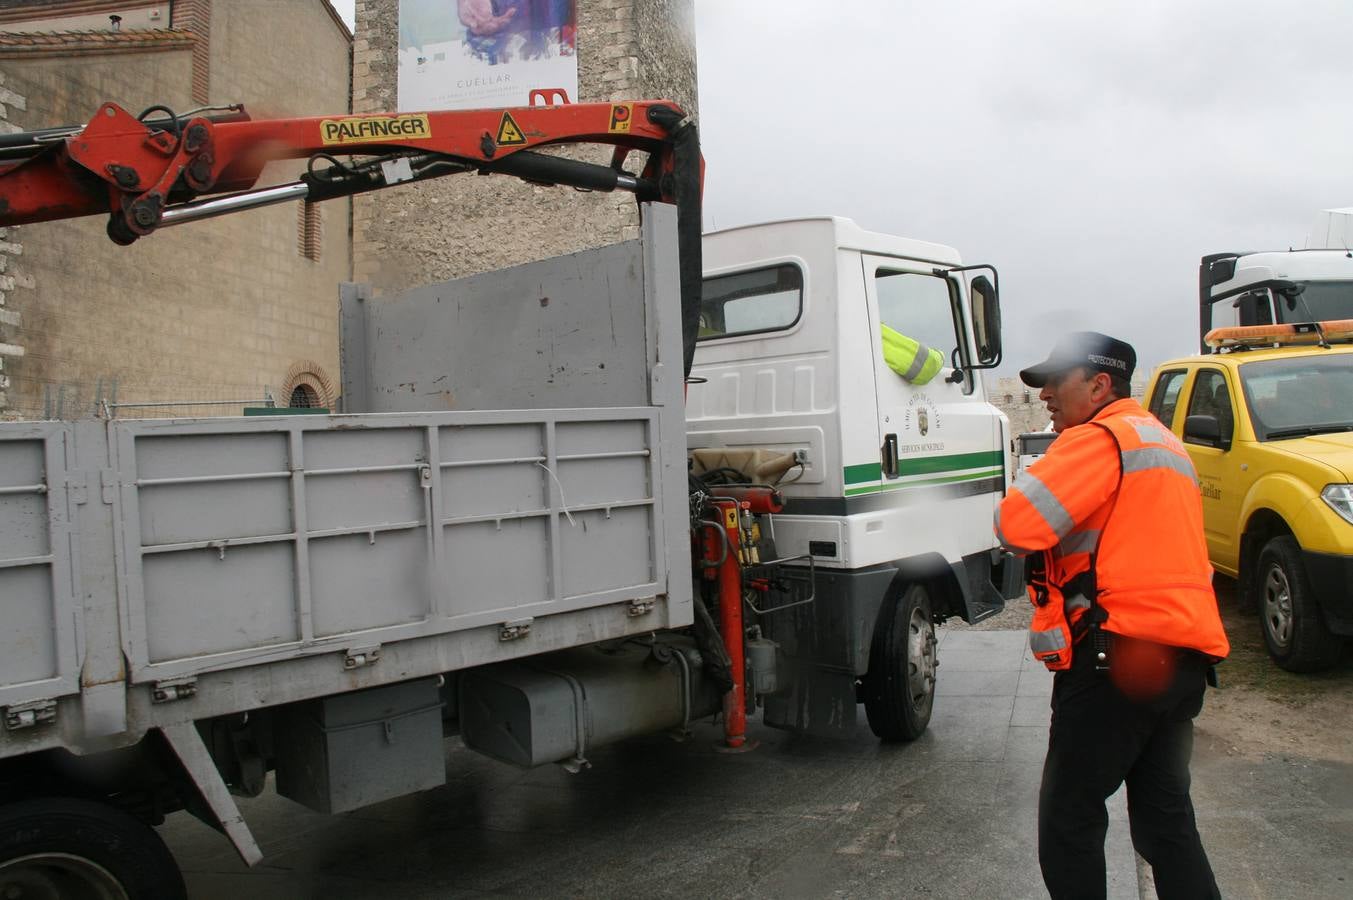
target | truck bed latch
[
  {"x": 27, "y": 715},
  {"x": 171, "y": 689},
  {"x": 357, "y": 657},
  {"x": 517, "y": 628}
]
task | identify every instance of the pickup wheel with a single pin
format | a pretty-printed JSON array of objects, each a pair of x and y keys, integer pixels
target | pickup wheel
[
  {"x": 64, "y": 849},
  {"x": 1294, "y": 631},
  {"x": 899, "y": 688}
]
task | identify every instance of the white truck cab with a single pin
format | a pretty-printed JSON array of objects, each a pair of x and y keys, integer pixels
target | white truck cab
[
  {"x": 1274, "y": 287},
  {"x": 892, "y": 483}
]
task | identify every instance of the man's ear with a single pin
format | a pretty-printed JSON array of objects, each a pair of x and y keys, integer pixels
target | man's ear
[{"x": 1101, "y": 387}]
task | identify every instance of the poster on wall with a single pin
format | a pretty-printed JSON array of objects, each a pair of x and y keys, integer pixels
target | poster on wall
[{"x": 468, "y": 54}]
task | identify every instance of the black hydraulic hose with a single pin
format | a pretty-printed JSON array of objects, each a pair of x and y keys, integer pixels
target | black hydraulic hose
[
  {"x": 545, "y": 169},
  {"x": 26, "y": 144},
  {"x": 176, "y": 128}
]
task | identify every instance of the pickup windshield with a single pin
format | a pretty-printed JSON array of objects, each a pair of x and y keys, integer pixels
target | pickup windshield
[{"x": 1295, "y": 397}]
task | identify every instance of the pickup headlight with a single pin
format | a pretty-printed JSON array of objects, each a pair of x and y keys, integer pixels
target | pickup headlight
[{"x": 1340, "y": 499}]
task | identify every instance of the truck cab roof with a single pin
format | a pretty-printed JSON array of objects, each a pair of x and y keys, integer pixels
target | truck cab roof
[
  {"x": 1290, "y": 265},
  {"x": 785, "y": 234}
]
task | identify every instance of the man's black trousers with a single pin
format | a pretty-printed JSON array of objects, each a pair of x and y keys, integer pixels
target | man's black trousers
[{"x": 1101, "y": 738}]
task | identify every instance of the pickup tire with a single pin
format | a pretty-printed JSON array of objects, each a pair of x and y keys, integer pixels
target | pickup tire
[
  {"x": 899, "y": 688},
  {"x": 1294, "y": 630},
  {"x": 81, "y": 850}
]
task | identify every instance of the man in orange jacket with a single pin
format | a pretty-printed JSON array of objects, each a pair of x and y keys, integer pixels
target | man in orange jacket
[{"x": 1124, "y": 614}]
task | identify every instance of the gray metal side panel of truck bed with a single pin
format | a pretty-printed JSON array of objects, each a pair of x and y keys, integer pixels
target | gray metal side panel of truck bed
[
  {"x": 234, "y": 563},
  {"x": 252, "y": 540},
  {"x": 39, "y": 628},
  {"x": 575, "y": 324}
]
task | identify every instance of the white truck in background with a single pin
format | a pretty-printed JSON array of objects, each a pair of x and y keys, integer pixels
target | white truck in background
[
  {"x": 1274, "y": 287},
  {"x": 518, "y": 531}
]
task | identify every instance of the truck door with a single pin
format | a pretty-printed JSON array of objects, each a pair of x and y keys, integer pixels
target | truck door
[{"x": 941, "y": 456}]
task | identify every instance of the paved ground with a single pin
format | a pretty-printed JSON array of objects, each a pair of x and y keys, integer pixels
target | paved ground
[{"x": 951, "y": 815}]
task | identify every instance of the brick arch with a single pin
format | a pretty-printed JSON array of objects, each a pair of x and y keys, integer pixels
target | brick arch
[{"x": 310, "y": 374}]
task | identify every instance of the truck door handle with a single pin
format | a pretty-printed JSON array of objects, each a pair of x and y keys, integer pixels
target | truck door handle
[{"x": 890, "y": 456}]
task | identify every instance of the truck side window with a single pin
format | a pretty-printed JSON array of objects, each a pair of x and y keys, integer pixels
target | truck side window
[
  {"x": 1211, "y": 397},
  {"x": 1165, "y": 398},
  {"x": 769, "y": 299},
  {"x": 920, "y": 307}
]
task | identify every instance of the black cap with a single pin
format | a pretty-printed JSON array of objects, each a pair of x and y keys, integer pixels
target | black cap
[{"x": 1089, "y": 349}]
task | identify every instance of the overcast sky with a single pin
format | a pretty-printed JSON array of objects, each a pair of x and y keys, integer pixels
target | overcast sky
[{"x": 1091, "y": 151}]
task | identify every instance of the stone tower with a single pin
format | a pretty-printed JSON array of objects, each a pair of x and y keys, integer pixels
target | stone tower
[{"x": 462, "y": 224}]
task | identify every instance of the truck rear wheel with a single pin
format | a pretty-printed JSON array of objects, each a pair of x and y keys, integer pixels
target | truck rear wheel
[
  {"x": 899, "y": 688},
  {"x": 80, "y": 850},
  {"x": 1294, "y": 631}
]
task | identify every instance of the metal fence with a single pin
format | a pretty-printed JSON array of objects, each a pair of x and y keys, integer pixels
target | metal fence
[{"x": 107, "y": 399}]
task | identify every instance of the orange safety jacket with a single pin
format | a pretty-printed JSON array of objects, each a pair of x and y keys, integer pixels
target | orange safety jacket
[{"x": 1116, "y": 501}]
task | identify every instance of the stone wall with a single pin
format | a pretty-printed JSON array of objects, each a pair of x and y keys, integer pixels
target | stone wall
[
  {"x": 11, "y": 319},
  {"x": 1021, "y": 405},
  {"x": 216, "y": 310},
  {"x": 462, "y": 225}
]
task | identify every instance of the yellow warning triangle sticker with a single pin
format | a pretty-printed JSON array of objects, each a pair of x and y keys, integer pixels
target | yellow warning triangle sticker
[{"x": 508, "y": 132}]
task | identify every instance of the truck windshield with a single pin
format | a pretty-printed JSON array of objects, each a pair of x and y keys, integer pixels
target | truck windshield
[
  {"x": 1321, "y": 301},
  {"x": 1291, "y": 398}
]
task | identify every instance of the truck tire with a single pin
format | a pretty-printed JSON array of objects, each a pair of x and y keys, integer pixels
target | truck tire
[
  {"x": 899, "y": 688},
  {"x": 80, "y": 850},
  {"x": 1294, "y": 630}
]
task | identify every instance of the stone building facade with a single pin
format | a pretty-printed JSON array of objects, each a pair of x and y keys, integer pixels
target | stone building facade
[
  {"x": 11, "y": 344},
  {"x": 462, "y": 225},
  {"x": 1022, "y": 407},
  {"x": 228, "y": 309}
]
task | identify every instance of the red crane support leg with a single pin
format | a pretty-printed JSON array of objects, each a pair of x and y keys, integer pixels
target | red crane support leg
[{"x": 730, "y": 624}]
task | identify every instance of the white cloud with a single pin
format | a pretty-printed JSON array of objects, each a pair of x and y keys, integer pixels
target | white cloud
[{"x": 1092, "y": 151}]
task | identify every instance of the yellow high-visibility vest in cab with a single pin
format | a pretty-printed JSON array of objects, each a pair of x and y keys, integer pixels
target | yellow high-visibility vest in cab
[{"x": 910, "y": 358}]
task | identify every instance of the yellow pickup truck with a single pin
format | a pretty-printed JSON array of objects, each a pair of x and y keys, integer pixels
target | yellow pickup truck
[{"x": 1268, "y": 419}]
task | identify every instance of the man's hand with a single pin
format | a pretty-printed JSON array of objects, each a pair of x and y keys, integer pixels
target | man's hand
[{"x": 478, "y": 18}]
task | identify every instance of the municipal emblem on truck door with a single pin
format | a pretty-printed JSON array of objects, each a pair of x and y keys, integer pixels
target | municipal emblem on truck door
[
  {"x": 919, "y": 420},
  {"x": 921, "y": 414}
]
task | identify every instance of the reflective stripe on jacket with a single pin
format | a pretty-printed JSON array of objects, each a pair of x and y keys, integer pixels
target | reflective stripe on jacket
[
  {"x": 1151, "y": 570},
  {"x": 910, "y": 358}
]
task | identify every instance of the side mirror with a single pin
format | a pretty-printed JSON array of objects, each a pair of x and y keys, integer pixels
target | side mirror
[
  {"x": 1206, "y": 430},
  {"x": 986, "y": 320},
  {"x": 985, "y": 304}
]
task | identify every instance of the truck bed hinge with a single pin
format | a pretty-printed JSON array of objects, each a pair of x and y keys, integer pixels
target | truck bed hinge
[
  {"x": 357, "y": 657},
  {"x": 517, "y": 628},
  {"x": 28, "y": 715},
  {"x": 78, "y": 486},
  {"x": 640, "y": 607},
  {"x": 171, "y": 689},
  {"x": 108, "y": 480}
]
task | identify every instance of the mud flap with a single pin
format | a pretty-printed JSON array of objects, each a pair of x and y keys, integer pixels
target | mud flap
[
  {"x": 824, "y": 648},
  {"x": 978, "y": 576}
]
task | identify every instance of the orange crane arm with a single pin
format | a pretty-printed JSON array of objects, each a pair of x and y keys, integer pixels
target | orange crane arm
[{"x": 148, "y": 173}]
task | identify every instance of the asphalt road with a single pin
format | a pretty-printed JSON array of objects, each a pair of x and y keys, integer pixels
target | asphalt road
[{"x": 950, "y": 815}]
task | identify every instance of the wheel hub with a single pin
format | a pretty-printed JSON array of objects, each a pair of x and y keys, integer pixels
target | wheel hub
[
  {"x": 921, "y": 657},
  {"x": 1278, "y": 606},
  {"x": 57, "y": 876}
]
